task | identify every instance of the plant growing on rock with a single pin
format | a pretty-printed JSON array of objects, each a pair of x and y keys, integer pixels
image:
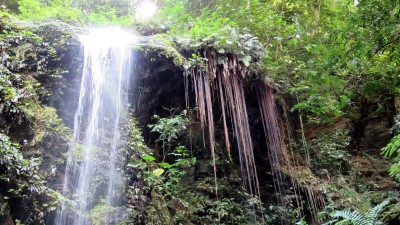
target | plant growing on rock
[
  {"x": 393, "y": 149},
  {"x": 330, "y": 150},
  {"x": 22, "y": 176},
  {"x": 169, "y": 130},
  {"x": 161, "y": 181}
]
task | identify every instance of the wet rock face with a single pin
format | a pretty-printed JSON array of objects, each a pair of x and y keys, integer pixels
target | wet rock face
[
  {"x": 377, "y": 133},
  {"x": 5, "y": 218},
  {"x": 37, "y": 65},
  {"x": 312, "y": 130},
  {"x": 397, "y": 104},
  {"x": 46, "y": 55},
  {"x": 379, "y": 121},
  {"x": 156, "y": 86},
  {"x": 371, "y": 129},
  {"x": 156, "y": 80},
  {"x": 65, "y": 68}
]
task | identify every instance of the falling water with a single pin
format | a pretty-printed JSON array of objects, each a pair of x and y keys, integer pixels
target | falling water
[{"x": 94, "y": 164}]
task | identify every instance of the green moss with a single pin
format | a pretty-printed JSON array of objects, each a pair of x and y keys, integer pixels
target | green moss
[
  {"x": 4, "y": 16},
  {"x": 100, "y": 212},
  {"x": 30, "y": 71},
  {"x": 162, "y": 46},
  {"x": 79, "y": 151},
  {"x": 56, "y": 33},
  {"x": 348, "y": 196}
]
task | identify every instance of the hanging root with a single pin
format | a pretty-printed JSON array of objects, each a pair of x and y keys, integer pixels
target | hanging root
[
  {"x": 266, "y": 102},
  {"x": 226, "y": 80},
  {"x": 281, "y": 158},
  {"x": 202, "y": 82},
  {"x": 273, "y": 135},
  {"x": 301, "y": 177}
]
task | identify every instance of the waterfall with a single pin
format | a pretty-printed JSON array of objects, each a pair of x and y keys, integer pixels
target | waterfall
[{"x": 93, "y": 172}]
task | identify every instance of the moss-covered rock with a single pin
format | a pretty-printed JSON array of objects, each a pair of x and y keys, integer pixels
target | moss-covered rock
[
  {"x": 161, "y": 46},
  {"x": 34, "y": 60}
]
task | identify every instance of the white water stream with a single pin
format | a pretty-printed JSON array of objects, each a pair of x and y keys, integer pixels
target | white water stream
[{"x": 94, "y": 172}]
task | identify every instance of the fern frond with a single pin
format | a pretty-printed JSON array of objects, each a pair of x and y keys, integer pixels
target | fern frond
[
  {"x": 353, "y": 217},
  {"x": 330, "y": 222},
  {"x": 392, "y": 147},
  {"x": 372, "y": 214},
  {"x": 356, "y": 218}
]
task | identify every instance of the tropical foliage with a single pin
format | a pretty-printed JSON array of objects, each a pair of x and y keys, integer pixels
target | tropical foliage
[
  {"x": 357, "y": 218},
  {"x": 393, "y": 149},
  {"x": 329, "y": 56}
]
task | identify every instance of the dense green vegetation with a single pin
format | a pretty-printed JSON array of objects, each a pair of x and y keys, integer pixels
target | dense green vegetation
[
  {"x": 327, "y": 53},
  {"x": 329, "y": 56}
]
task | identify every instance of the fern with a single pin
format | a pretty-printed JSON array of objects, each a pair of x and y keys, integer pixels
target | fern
[
  {"x": 373, "y": 213},
  {"x": 345, "y": 217},
  {"x": 393, "y": 149},
  {"x": 348, "y": 217}
]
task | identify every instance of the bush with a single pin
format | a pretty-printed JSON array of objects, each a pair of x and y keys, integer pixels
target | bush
[
  {"x": 34, "y": 10},
  {"x": 330, "y": 150}
]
